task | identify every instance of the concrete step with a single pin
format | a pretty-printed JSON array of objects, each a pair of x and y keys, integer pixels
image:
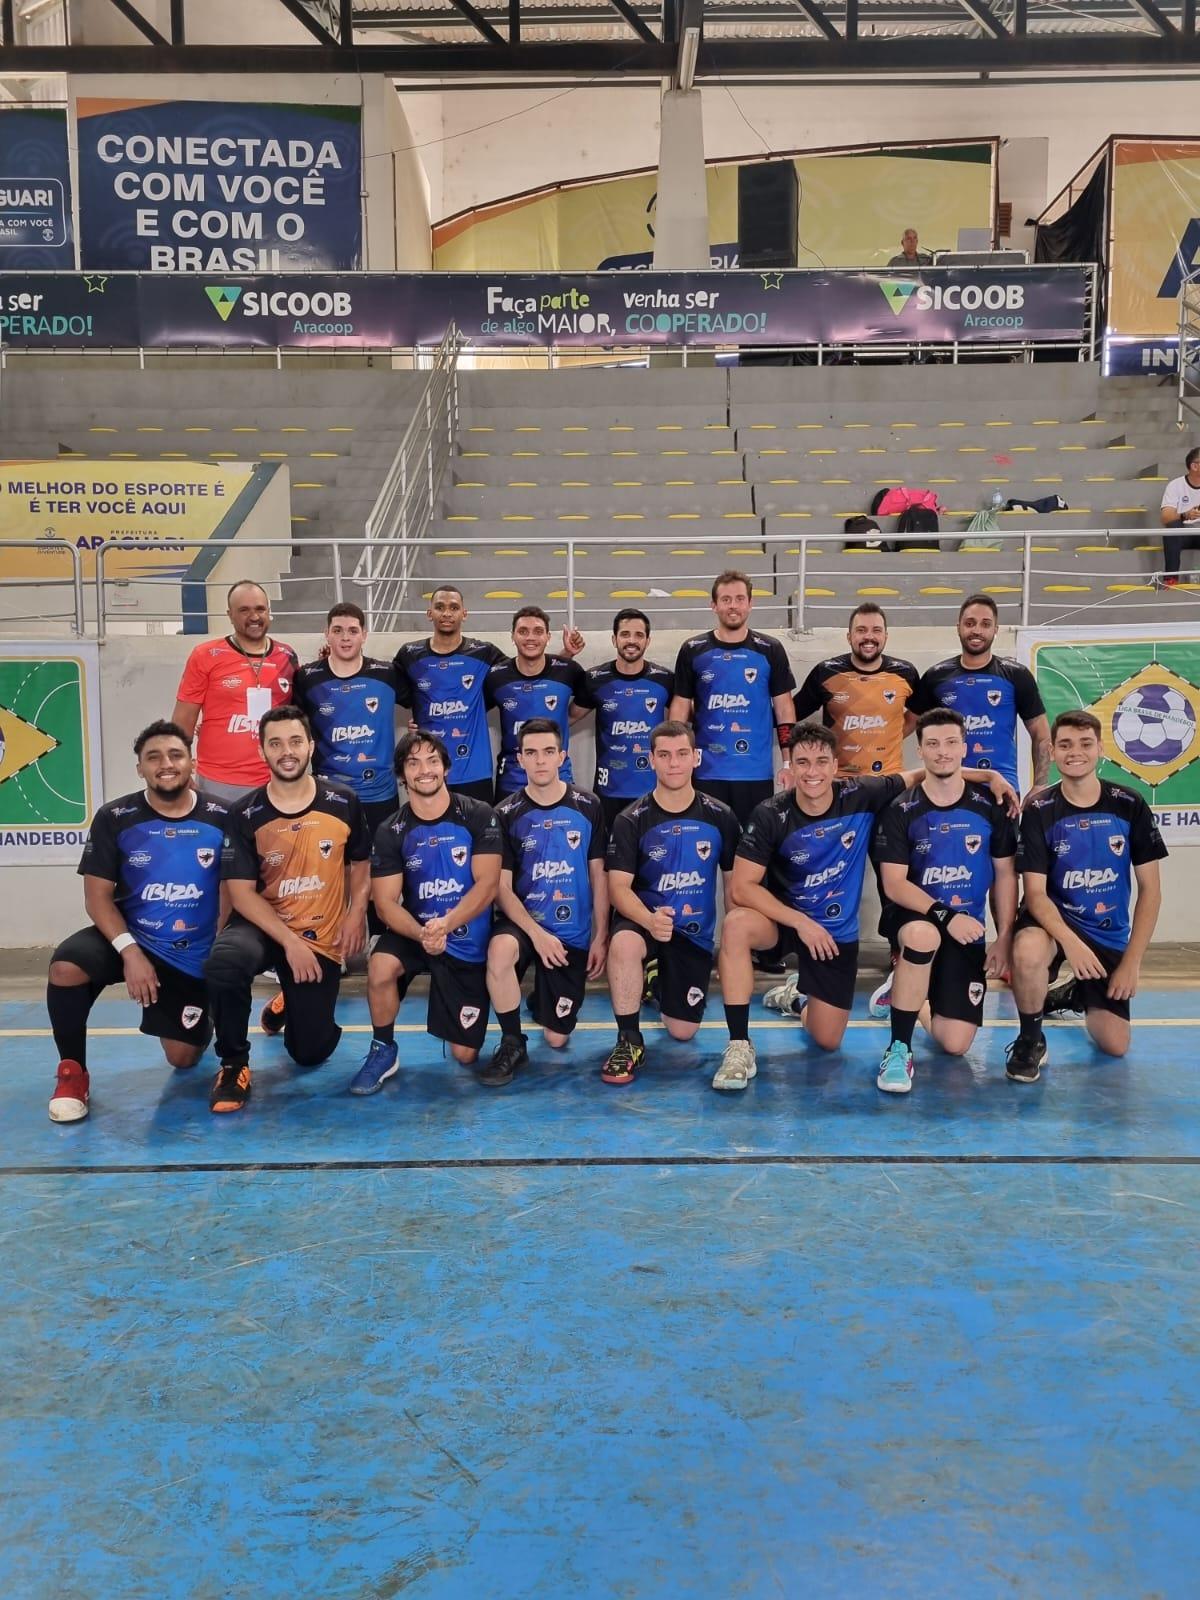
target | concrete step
[
  {"x": 617, "y": 471},
  {"x": 601, "y": 502},
  {"x": 598, "y": 438}
]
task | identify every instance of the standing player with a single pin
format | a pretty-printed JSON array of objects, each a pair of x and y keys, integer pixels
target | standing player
[
  {"x": 665, "y": 857},
  {"x": 289, "y": 849},
  {"x": 991, "y": 693},
  {"x": 532, "y": 685},
  {"x": 864, "y": 697},
  {"x": 227, "y": 686},
  {"x": 553, "y": 902},
  {"x": 797, "y": 883},
  {"x": 151, "y": 872},
  {"x": 630, "y": 696},
  {"x": 1083, "y": 843},
  {"x": 943, "y": 849},
  {"x": 736, "y": 686},
  {"x": 435, "y": 869}
]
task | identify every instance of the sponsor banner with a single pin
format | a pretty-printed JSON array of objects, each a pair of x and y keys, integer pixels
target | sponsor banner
[
  {"x": 699, "y": 309},
  {"x": 1144, "y": 685},
  {"x": 219, "y": 187},
  {"x": 1155, "y": 233},
  {"x": 1131, "y": 358},
  {"x": 89, "y": 503},
  {"x": 44, "y": 310},
  {"x": 50, "y": 779},
  {"x": 853, "y": 208},
  {"x": 35, "y": 190}
]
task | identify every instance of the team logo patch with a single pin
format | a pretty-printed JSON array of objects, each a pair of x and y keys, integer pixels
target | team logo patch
[
  {"x": 1116, "y": 843},
  {"x": 750, "y": 674},
  {"x": 695, "y": 996},
  {"x": 190, "y": 1015},
  {"x": 973, "y": 842},
  {"x": 468, "y": 679},
  {"x": 206, "y": 857},
  {"x": 889, "y": 696},
  {"x": 325, "y": 846},
  {"x": 574, "y": 838},
  {"x": 458, "y": 854},
  {"x": 704, "y": 848},
  {"x": 551, "y": 702},
  {"x": 847, "y": 841},
  {"x": 372, "y": 705},
  {"x": 284, "y": 685},
  {"x": 468, "y": 1015},
  {"x": 833, "y": 912},
  {"x": 564, "y": 1006},
  {"x": 994, "y": 697},
  {"x": 975, "y": 993}
]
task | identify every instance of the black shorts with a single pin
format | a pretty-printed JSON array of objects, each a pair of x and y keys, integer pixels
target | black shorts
[
  {"x": 741, "y": 796},
  {"x": 684, "y": 970},
  {"x": 458, "y": 997},
  {"x": 1092, "y": 992},
  {"x": 478, "y": 789},
  {"x": 557, "y": 991},
  {"x": 958, "y": 982},
  {"x": 829, "y": 981},
  {"x": 181, "y": 1010}
]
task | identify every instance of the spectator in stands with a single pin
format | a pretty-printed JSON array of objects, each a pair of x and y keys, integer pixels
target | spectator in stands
[
  {"x": 630, "y": 696},
  {"x": 534, "y": 684},
  {"x": 228, "y": 686},
  {"x": 1180, "y": 511},
  {"x": 909, "y": 255}
]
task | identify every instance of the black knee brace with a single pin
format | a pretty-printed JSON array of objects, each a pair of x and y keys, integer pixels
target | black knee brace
[{"x": 917, "y": 958}]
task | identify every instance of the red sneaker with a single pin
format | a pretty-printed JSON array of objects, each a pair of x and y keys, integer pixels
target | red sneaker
[
  {"x": 1171, "y": 581},
  {"x": 69, "y": 1102},
  {"x": 271, "y": 1019}
]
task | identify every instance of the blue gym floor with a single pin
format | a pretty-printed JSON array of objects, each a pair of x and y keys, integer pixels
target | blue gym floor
[{"x": 563, "y": 1340}]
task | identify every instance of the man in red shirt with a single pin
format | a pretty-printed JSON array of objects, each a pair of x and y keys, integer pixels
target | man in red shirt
[{"x": 228, "y": 686}]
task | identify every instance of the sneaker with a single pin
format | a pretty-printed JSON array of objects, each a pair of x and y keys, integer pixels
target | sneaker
[
  {"x": 271, "y": 1018},
  {"x": 768, "y": 963},
  {"x": 896, "y": 1069},
  {"x": 1062, "y": 997},
  {"x": 380, "y": 1065},
  {"x": 738, "y": 1065},
  {"x": 509, "y": 1056},
  {"x": 231, "y": 1088},
  {"x": 1170, "y": 580},
  {"x": 623, "y": 1063},
  {"x": 786, "y": 997},
  {"x": 879, "y": 1005},
  {"x": 1024, "y": 1059},
  {"x": 69, "y": 1102}
]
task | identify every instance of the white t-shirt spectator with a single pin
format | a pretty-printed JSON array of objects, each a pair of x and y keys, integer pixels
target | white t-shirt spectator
[{"x": 1181, "y": 496}]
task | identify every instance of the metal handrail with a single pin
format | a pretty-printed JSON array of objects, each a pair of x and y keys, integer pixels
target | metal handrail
[
  {"x": 1188, "y": 389},
  {"x": 52, "y": 547}
]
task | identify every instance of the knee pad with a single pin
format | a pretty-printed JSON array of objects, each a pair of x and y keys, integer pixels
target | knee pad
[{"x": 917, "y": 958}]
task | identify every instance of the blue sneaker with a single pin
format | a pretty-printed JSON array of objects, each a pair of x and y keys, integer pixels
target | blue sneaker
[
  {"x": 896, "y": 1069},
  {"x": 879, "y": 1006},
  {"x": 380, "y": 1065}
]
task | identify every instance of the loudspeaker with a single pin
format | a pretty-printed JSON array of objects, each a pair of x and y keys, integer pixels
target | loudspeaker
[{"x": 768, "y": 223}]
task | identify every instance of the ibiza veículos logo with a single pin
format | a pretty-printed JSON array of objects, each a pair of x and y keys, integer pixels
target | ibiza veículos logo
[
  {"x": 224, "y": 297},
  {"x": 897, "y": 293}
]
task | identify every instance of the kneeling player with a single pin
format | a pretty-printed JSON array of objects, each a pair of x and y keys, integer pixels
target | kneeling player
[
  {"x": 435, "y": 869},
  {"x": 665, "y": 856},
  {"x": 552, "y": 890},
  {"x": 943, "y": 849},
  {"x": 1083, "y": 842},
  {"x": 151, "y": 873}
]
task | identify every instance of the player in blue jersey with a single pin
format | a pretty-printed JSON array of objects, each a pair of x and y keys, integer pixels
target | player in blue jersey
[
  {"x": 797, "y": 884},
  {"x": 151, "y": 872},
  {"x": 991, "y": 693},
  {"x": 435, "y": 870},
  {"x": 630, "y": 696},
  {"x": 1084, "y": 843},
  {"x": 944, "y": 849},
  {"x": 552, "y": 905},
  {"x": 667, "y": 854},
  {"x": 534, "y": 684},
  {"x": 736, "y": 686}
]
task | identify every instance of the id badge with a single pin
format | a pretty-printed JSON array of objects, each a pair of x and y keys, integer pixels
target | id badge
[{"x": 258, "y": 703}]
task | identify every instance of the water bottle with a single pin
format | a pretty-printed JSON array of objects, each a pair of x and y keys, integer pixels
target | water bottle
[{"x": 997, "y": 500}]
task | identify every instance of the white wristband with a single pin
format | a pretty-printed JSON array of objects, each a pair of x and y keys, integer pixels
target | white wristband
[{"x": 122, "y": 942}]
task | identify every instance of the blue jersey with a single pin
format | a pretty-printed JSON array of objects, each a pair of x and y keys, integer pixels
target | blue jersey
[
  {"x": 676, "y": 858},
  {"x": 354, "y": 725},
  {"x": 1087, "y": 855},
  {"x": 519, "y": 698},
  {"x": 816, "y": 864},
  {"x": 548, "y": 850},
  {"x": 445, "y": 695},
  {"x": 434, "y": 859},
  {"x": 948, "y": 850},
  {"x": 990, "y": 700},
  {"x": 628, "y": 707},
  {"x": 731, "y": 687},
  {"x": 167, "y": 872}
]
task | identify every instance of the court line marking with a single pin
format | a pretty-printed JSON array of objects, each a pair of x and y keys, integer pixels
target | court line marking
[
  {"x": 508, "y": 1163},
  {"x": 647, "y": 1027}
]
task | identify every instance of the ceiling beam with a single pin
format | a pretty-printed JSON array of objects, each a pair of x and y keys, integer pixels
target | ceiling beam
[
  {"x": 133, "y": 15},
  {"x": 1151, "y": 12},
  {"x": 986, "y": 17},
  {"x": 306, "y": 19},
  {"x": 818, "y": 18},
  {"x": 479, "y": 22},
  {"x": 634, "y": 21}
]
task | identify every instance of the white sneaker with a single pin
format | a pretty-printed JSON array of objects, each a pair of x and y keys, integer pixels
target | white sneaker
[
  {"x": 786, "y": 997},
  {"x": 738, "y": 1065},
  {"x": 879, "y": 1005}
]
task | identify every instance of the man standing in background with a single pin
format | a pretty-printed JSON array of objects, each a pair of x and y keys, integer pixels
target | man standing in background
[
  {"x": 863, "y": 696},
  {"x": 630, "y": 696},
  {"x": 533, "y": 684}
]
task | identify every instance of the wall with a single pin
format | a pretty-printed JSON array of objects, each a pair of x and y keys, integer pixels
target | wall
[{"x": 139, "y": 678}]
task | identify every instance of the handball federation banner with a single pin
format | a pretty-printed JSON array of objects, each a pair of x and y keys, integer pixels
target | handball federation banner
[
  {"x": 35, "y": 190},
  {"x": 50, "y": 780},
  {"x": 539, "y": 310},
  {"x": 1145, "y": 689}
]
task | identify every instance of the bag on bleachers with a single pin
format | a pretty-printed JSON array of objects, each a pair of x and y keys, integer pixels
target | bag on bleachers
[
  {"x": 981, "y": 524},
  {"x": 920, "y": 521},
  {"x": 862, "y": 533}
]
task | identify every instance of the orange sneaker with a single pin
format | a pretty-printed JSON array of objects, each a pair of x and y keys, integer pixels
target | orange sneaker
[
  {"x": 272, "y": 1017},
  {"x": 231, "y": 1089}
]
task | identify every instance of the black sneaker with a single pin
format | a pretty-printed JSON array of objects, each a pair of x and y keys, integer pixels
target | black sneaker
[
  {"x": 1024, "y": 1059},
  {"x": 231, "y": 1089},
  {"x": 768, "y": 963},
  {"x": 1063, "y": 997},
  {"x": 622, "y": 1064},
  {"x": 650, "y": 982},
  {"x": 509, "y": 1055}
]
